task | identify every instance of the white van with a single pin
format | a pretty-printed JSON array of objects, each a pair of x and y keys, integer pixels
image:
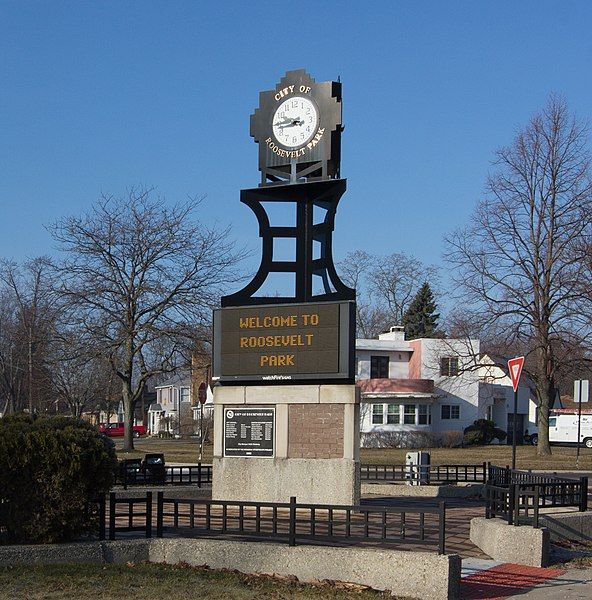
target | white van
[{"x": 563, "y": 429}]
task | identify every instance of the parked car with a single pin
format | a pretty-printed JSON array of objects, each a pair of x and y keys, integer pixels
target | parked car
[{"x": 117, "y": 429}]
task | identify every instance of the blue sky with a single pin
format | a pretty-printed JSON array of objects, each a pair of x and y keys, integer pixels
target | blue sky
[{"x": 99, "y": 96}]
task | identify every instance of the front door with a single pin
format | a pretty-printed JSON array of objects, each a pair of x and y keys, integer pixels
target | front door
[{"x": 519, "y": 428}]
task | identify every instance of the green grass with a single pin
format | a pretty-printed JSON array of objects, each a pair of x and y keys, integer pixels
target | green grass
[
  {"x": 562, "y": 458},
  {"x": 144, "y": 581}
]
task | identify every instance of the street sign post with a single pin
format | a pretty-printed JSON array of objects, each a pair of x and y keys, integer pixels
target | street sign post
[
  {"x": 581, "y": 394},
  {"x": 515, "y": 368}
]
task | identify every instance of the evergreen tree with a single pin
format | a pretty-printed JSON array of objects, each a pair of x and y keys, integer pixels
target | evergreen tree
[{"x": 421, "y": 320}]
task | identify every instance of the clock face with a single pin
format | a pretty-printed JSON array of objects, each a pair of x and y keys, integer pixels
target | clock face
[{"x": 295, "y": 121}]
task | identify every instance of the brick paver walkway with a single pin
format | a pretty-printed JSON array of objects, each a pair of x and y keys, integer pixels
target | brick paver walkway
[{"x": 503, "y": 581}]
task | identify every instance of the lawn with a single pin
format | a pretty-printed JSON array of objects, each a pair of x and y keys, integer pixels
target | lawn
[
  {"x": 182, "y": 451},
  {"x": 155, "y": 581},
  {"x": 563, "y": 458}
]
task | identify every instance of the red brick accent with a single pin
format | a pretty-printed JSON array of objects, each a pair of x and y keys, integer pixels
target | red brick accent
[
  {"x": 415, "y": 360},
  {"x": 315, "y": 430}
]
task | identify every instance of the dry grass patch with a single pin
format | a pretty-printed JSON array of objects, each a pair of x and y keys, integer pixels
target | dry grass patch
[
  {"x": 145, "y": 581},
  {"x": 562, "y": 458}
]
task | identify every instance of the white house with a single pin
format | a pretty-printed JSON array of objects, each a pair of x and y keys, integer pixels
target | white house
[
  {"x": 174, "y": 402},
  {"x": 433, "y": 386}
]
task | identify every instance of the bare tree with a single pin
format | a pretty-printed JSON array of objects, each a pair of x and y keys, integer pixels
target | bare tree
[
  {"x": 140, "y": 276},
  {"x": 518, "y": 264},
  {"x": 30, "y": 312},
  {"x": 385, "y": 286},
  {"x": 79, "y": 374}
]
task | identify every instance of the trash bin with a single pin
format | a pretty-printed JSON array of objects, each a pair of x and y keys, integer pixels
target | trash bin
[{"x": 153, "y": 468}]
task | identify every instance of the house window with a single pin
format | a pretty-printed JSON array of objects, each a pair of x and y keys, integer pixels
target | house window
[
  {"x": 409, "y": 414},
  {"x": 393, "y": 415},
  {"x": 377, "y": 414},
  {"x": 379, "y": 367},
  {"x": 423, "y": 414},
  {"x": 448, "y": 366},
  {"x": 184, "y": 394},
  {"x": 450, "y": 411}
]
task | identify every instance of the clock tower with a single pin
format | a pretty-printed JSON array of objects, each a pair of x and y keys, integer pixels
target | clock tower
[{"x": 284, "y": 364}]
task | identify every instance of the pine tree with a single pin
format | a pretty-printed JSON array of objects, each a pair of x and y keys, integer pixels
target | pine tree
[{"x": 421, "y": 320}]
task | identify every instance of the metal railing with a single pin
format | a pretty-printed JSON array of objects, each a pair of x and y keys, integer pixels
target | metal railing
[
  {"x": 136, "y": 520},
  {"x": 294, "y": 522},
  {"x": 290, "y": 522},
  {"x": 130, "y": 474},
  {"x": 519, "y": 496},
  {"x": 431, "y": 473}
]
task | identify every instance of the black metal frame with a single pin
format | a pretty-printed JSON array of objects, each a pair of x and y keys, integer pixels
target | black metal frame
[{"x": 325, "y": 194}]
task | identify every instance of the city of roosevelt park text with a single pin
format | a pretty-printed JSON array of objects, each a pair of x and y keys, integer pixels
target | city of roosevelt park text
[{"x": 266, "y": 341}]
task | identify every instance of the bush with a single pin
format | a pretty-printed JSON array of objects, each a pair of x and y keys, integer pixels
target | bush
[
  {"x": 50, "y": 469},
  {"x": 483, "y": 432}
]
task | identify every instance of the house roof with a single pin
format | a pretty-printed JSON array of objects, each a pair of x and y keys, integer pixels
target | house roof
[
  {"x": 396, "y": 386},
  {"x": 179, "y": 379}
]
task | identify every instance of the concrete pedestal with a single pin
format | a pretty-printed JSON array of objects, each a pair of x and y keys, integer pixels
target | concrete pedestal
[{"x": 316, "y": 445}]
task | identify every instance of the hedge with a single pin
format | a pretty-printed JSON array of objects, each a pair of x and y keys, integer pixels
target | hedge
[{"x": 51, "y": 470}]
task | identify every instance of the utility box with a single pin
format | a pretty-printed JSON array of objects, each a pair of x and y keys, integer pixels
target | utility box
[{"x": 417, "y": 468}]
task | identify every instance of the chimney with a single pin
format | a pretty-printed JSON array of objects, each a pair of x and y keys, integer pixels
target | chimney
[{"x": 395, "y": 333}]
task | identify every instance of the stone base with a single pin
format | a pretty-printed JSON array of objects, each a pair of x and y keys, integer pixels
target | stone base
[
  {"x": 523, "y": 545},
  {"x": 422, "y": 491},
  {"x": 572, "y": 526},
  {"x": 313, "y": 481}
]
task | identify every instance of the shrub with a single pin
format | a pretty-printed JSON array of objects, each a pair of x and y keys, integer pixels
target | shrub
[
  {"x": 50, "y": 468},
  {"x": 482, "y": 432},
  {"x": 451, "y": 438}
]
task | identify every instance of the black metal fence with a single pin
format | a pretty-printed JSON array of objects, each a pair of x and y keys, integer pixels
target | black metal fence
[
  {"x": 519, "y": 496},
  {"x": 289, "y": 522},
  {"x": 132, "y": 473},
  {"x": 427, "y": 473},
  {"x": 134, "y": 520}
]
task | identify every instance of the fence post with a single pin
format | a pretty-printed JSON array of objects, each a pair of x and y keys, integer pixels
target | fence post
[
  {"x": 510, "y": 504},
  {"x": 442, "y": 527},
  {"x": 102, "y": 516},
  {"x": 537, "y": 491},
  {"x": 583, "y": 494},
  {"x": 199, "y": 474},
  {"x": 516, "y": 504},
  {"x": 148, "y": 514},
  {"x": 292, "y": 537},
  {"x": 112, "y": 516},
  {"x": 485, "y": 471},
  {"x": 159, "y": 513},
  {"x": 487, "y": 502}
]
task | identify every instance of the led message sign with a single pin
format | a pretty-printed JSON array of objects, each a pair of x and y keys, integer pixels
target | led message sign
[{"x": 284, "y": 342}]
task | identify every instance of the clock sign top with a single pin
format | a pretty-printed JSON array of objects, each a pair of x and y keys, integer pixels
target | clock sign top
[{"x": 298, "y": 129}]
